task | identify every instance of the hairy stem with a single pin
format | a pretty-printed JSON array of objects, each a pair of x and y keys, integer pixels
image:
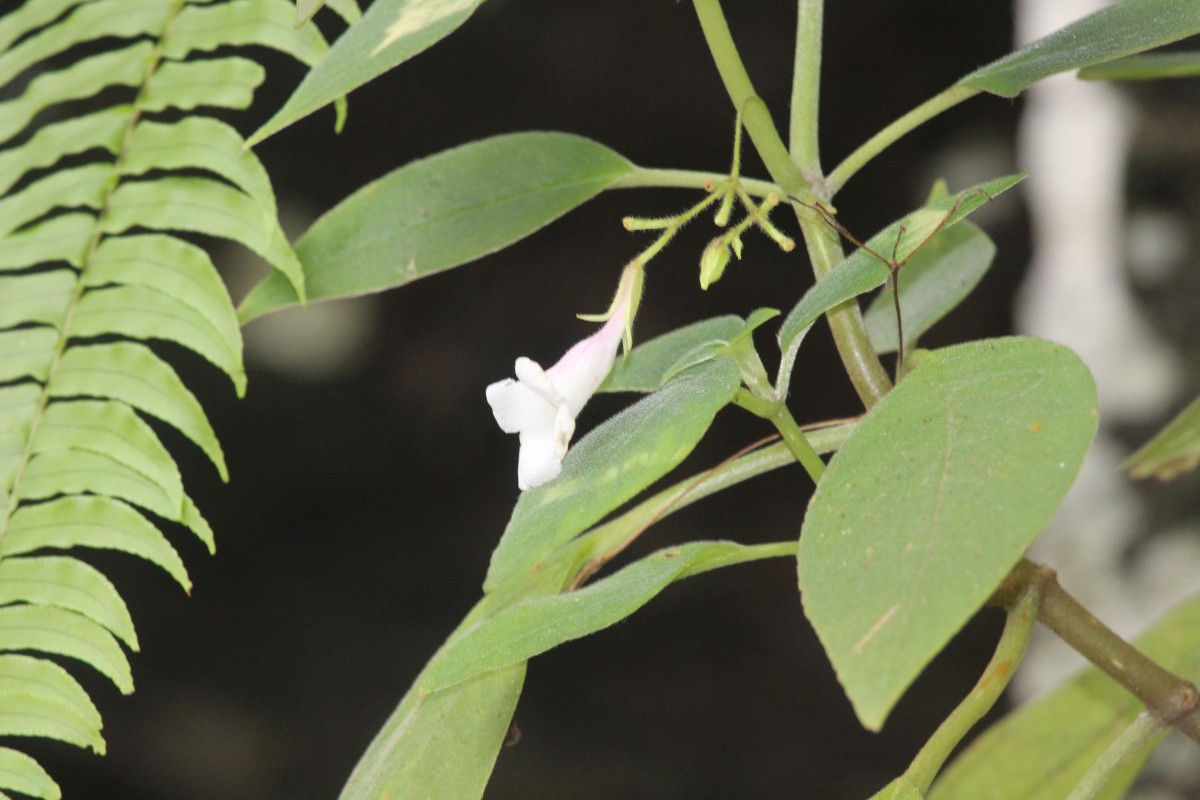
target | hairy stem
[
  {"x": 806, "y": 88},
  {"x": 866, "y": 373},
  {"x": 889, "y": 135},
  {"x": 1009, "y": 651},
  {"x": 642, "y": 178},
  {"x": 1171, "y": 699}
]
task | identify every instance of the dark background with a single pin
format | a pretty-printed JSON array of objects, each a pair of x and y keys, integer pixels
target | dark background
[{"x": 363, "y": 505}]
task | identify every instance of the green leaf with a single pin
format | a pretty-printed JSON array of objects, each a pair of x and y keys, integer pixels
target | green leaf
[
  {"x": 82, "y": 80},
  {"x": 143, "y": 313},
  {"x": 79, "y": 471},
  {"x": 55, "y": 630},
  {"x": 1121, "y": 29},
  {"x": 243, "y": 22},
  {"x": 932, "y": 501},
  {"x": 1041, "y": 750},
  {"x": 101, "y": 130},
  {"x": 24, "y": 714},
  {"x": 1173, "y": 451},
  {"x": 932, "y": 283},
  {"x": 203, "y": 206},
  {"x": 1154, "y": 66},
  {"x": 93, "y": 20},
  {"x": 113, "y": 430},
  {"x": 132, "y": 373},
  {"x": 442, "y": 745},
  {"x": 649, "y": 366},
  {"x": 79, "y": 186},
  {"x": 67, "y": 583},
  {"x": 443, "y": 211},
  {"x": 861, "y": 272},
  {"x": 186, "y": 85},
  {"x": 36, "y": 297},
  {"x": 28, "y": 17},
  {"x": 61, "y": 238},
  {"x": 89, "y": 521},
  {"x": 26, "y": 352},
  {"x": 613, "y": 463},
  {"x": 173, "y": 267},
  {"x": 538, "y": 624},
  {"x": 21, "y": 773},
  {"x": 391, "y": 32}
]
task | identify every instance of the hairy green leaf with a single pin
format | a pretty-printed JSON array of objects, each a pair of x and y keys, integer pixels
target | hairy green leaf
[
  {"x": 538, "y": 624},
  {"x": 931, "y": 285},
  {"x": 649, "y": 366},
  {"x": 391, "y": 32},
  {"x": 1173, "y": 451},
  {"x": 611, "y": 464},
  {"x": 1041, "y": 750},
  {"x": 932, "y": 501},
  {"x": 1122, "y": 29},
  {"x": 425, "y": 749},
  {"x": 442, "y": 211}
]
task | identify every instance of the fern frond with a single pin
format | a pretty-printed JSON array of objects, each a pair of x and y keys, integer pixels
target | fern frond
[{"x": 93, "y": 270}]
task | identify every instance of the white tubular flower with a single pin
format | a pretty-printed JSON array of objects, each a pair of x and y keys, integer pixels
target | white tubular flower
[{"x": 541, "y": 405}]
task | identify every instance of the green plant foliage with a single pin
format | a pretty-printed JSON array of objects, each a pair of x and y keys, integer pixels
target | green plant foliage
[
  {"x": 1041, "y": 750},
  {"x": 1122, "y": 29},
  {"x": 1173, "y": 451},
  {"x": 442, "y": 211},
  {"x": 649, "y": 366},
  {"x": 933, "y": 500},
  {"x": 91, "y": 270},
  {"x": 931, "y": 284},
  {"x": 538, "y": 624},
  {"x": 860, "y": 272},
  {"x": 614, "y": 462},
  {"x": 1153, "y": 66},
  {"x": 390, "y": 33}
]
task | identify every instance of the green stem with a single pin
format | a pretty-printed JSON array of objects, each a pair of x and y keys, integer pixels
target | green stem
[
  {"x": 642, "y": 178},
  {"x": 1171, "y": 699},
  {"x": 755, "y": 116},
  {"x": 1133, "y": 738},
  {"x": 866, "y": 373},
  {"x": 806, "y": 88},
  {"x": 1011, "y": 648},
  {"x": 886, "y": 137},
  {"x": 793, "y": 437}
]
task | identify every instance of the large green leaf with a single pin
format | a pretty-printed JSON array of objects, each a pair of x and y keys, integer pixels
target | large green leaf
[
  {"x": 933, "y": 500},
  {"x": 1173, "y": 451},
  {"x": 931, "y": 285},
  {"x": 538, "y": 624},
  {"x": 391, "y": 32},
  {"x": 860, "y": 272},
  {"x": 442, "y": 745},
  {"x": 613, "y": 463},
  {"x": 1041, "y": 750},
  {"x": 442, "y": 211},
  {"x": 1124, "y": 28}
]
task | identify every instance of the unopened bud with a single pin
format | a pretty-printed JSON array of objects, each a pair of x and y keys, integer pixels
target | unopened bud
[{"x": 713, "y": 261}]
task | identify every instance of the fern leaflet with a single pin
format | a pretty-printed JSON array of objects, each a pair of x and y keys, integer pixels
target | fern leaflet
[{"x": 94, "y": 202}]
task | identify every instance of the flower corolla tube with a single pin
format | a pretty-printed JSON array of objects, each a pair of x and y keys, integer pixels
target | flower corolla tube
[{"x": 541, "y": 405}]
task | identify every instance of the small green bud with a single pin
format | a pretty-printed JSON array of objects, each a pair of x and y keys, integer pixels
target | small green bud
[
  {"x": 713, "y": 261},
  {"x": 725, "y": 209}
]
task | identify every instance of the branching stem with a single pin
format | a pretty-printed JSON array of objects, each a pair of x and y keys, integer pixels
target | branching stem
[{"x": 1171, "y": 699}]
